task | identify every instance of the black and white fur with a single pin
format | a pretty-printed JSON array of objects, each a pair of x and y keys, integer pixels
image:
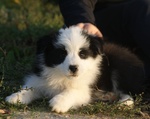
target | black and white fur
[{"x": 71, "y": 62}]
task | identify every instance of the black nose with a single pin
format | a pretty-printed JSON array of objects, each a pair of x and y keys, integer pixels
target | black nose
[{"x": 73, "y": 68}]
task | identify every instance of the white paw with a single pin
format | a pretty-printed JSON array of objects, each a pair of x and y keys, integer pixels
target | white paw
[
  {"x": 60, "y": 104},
  {"x": 14, "y": 98},
  {"x": 22, "y": 97}
]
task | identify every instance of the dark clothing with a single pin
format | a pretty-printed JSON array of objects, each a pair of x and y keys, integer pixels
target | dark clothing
[
  {"x": 76, "y": 11},
  {"x": 126, "y": 23}
]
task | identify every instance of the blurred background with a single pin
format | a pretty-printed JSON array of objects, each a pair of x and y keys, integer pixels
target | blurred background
[{"x": 22, "y": 23}]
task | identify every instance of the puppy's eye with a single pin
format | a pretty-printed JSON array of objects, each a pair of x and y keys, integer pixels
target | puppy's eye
[{"x": 83, "y": 54}]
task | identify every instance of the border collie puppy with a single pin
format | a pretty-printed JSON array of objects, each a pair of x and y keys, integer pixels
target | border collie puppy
[{"x": 71, "y": 62}]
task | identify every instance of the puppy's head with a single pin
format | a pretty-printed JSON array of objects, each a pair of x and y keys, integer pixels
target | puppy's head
[{"x": 71, "y": 52}]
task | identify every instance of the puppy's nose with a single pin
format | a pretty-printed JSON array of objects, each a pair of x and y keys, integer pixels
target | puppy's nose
[{"x": 73, "y": 68}]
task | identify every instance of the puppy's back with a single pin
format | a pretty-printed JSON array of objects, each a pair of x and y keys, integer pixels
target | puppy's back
[{"x": 122, "y": 67}]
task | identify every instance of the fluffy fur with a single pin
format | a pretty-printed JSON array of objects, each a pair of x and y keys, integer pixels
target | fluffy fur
[{"x": 71, "y": 62}]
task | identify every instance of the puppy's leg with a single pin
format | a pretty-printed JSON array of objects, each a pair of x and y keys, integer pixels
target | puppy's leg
[
  {"x": 69, "y": 99},
  {"x": 27, "y": 94}
]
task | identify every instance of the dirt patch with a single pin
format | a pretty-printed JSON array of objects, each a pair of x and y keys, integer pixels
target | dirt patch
[{"x": 46, "y": 115}]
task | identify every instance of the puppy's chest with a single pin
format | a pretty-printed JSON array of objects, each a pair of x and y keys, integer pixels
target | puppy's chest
[{"x": 52, "y": 86}]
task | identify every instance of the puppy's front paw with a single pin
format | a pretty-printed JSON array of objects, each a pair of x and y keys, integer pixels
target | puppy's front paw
[
  {"x": 60, "y": 104},
  {"x": 20, "y": 97},
  {"x": 13, "y": 99}
]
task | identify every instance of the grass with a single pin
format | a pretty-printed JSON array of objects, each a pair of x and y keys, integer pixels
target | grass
[
  {"x": 115, "y": 110},
  {"x": 21, "y": 24}
]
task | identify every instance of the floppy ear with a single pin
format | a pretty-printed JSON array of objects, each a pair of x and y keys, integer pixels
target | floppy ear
[
  {"x": 96, "y": 44},
  {"x": 45, "y": 41}
]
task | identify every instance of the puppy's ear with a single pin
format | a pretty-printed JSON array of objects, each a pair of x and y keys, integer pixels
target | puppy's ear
[
  {"x": 45, "y": 41},
  {"x": 96, "y": 44}
]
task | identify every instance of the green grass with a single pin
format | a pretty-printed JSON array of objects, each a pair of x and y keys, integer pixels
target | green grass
[
  {"x": 114, "y": 109},
  {"x": 21, "y": 24}
]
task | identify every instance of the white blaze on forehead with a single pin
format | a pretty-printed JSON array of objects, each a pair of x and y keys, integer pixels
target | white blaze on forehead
[{"x": 72, "y": 38}]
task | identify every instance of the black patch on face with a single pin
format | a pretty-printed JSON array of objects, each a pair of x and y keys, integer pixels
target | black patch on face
[
  {"x": 42, "y": 44},
  {"x": 96, "y": 44},
  {"x": 52, "y": 55},
  {"x": 55, "y": 56}
]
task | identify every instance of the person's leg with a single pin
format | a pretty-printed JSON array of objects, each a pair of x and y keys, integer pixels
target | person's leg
[{"x": 128, "y": 24}]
